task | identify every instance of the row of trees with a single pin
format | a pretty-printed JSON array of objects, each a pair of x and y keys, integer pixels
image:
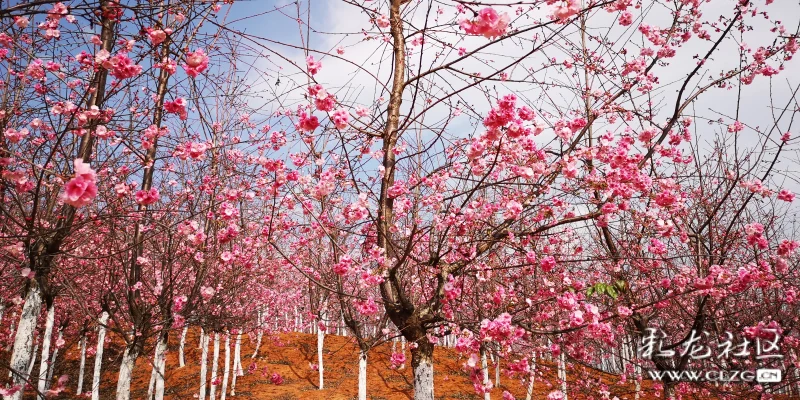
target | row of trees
[{"x": 525, "y": 179}]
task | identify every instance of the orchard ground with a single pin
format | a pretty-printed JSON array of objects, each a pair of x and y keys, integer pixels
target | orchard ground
[{"x": 291, "y": 355}]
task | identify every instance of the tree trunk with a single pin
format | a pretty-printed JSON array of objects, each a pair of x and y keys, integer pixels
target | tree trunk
[
  {"x": 485, "y": 373},
  {"x": 300, "y": 318},
  {"x": 237, "y": 363},
  {"x": 181, "y": 361},
  {"x": 237, "y": 356},
  {"x": 152, "y": 386},
  {"x": 43, "y": 361},
  {"x": 213, "y": 393},
  {"x": 320, "y": 344},
  {"x": 669, "y": 390},
  {"x": 51, "y": 367},
  {"x": 161, "y": 365},
  {"x": 362, "y": 375},
  {"x": 126, "y": 371},
  {"x": 203, "y": 366},
  {"x": 82, "y": 365},
  {"x": 23, "y": 352},
  {"x": 98, "y": 358},
  {"x": 402, "y": 350},
  {"x": 497, "y": 370},
  {"x": 29, "y": 368},
  {"x": 258, "y": 343},
  {"x": 796, "y": 376},
  {"x": 562, "y": 372},
  {"x": 529, "y": 392},
  {"x": 422, "y": 364},
  {"x": 227, "y": 368}
]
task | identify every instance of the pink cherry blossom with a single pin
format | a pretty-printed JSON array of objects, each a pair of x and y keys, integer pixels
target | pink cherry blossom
[
  {"x": 313, "y": 66},
  {"x": 196, "y": 63},
  {"x": 207, "y": 292},
  {"x": 786, "y": 196},
  {"x": 382, "y": 21},
  {"x": 625, "y": 18},
  {"x": 147, "y": 197},
  {"x": 158, "y": 36},
  {"x": 120, "y": 66},
  {"x": 555, "y": 395},
  {"x": 488, "y": 23},
  {"x": 547, "y": 263},
  {"x": 21, "y": 22},
  {"x": 366, "y": 307},
  {"x": 397, "y": 359},
  {"x": 513, "y": 209},
  {"x": 340, "y": 118},
  {"x": 81, "y": 189},
  {"x": 14, "y": 136},
  {"x": 307, "y": 123},
  {"x": 178, "y": 106}
]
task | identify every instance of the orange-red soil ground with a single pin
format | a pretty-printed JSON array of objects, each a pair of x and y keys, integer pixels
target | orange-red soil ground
[{"x": 291, "y": 355}]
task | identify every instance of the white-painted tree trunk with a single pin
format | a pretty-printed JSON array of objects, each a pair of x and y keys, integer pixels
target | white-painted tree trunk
[
  {"x": 423, "y": 380},
  {"x": 45, "y": 357},
  {"x": 636, "y": 371},
  {"x": 126, "y": 373},
  {"x": 157, "y": 372},
  {"x": 562, "y": 372},
  {"x": 233, "y": 378},
  {"x": 23, "y": 352},
  {"x": 403, "y": 350},
  {"x": 181, "y": 360},
  {"x": 796, "y": 376},
  {"x": 497, "y": 370},
  {"x": 202, "y": 335},
  {"x": 214, "y": 361},
  {"x": 532, "y": 380},
  {"x": 237, "y": 356},
  {"x": 320, "y": 345},
  {"x": 237, "y": 363},
  {"x": 29, "y": 368},
  {"x": 485, "y": 372},
  {"x": 227, "y": 369},
  {"x": 3, "y": 309},
  {"x": 51, "y": 367},
  {"x": 161, "y": 355},
  {"x": 98, "y": 358},
  {"x": 82, "y": 365},
  {"x": 203, "y": 366},
  {"x": 151, "y": 387},
  {"x": 362, "y": 375},
  {"x": 258, "y": 343},
  {"x": 300, "y": 318},
  {"x": 11, "y": 371}
]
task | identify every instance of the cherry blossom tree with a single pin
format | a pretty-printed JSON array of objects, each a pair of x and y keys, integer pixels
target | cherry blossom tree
[
  {"x": 515, "y": 179},
  {"x": 440, "y": 203}
]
